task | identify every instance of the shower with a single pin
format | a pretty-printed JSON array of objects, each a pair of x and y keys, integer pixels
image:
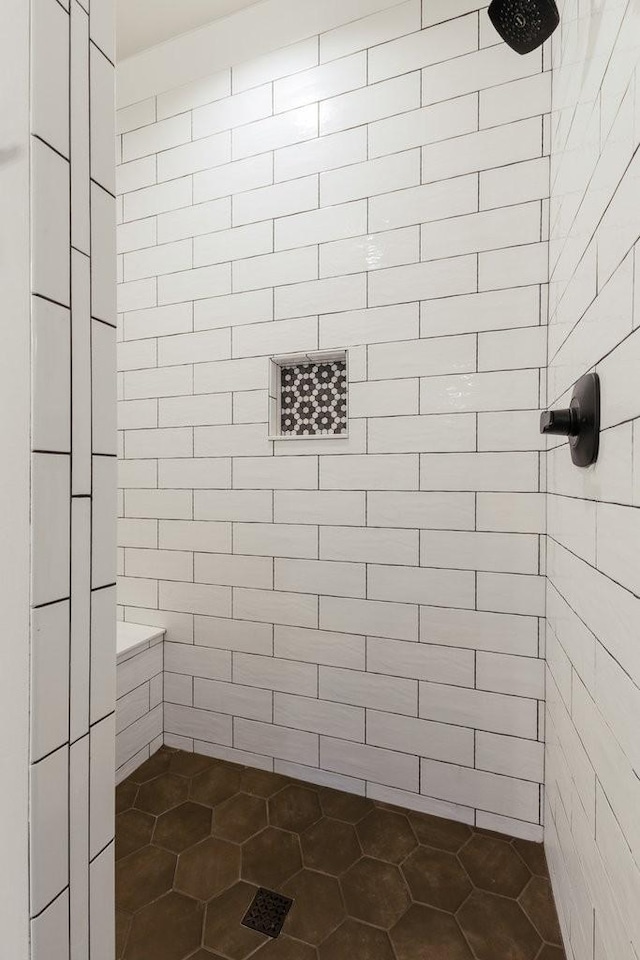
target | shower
[{"x": 524, "y": 24}]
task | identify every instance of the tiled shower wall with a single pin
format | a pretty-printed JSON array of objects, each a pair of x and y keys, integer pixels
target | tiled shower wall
[
  {"x": 593, "y": 763},
  {"x": 73, "y": 481},
  {"x": 365, "y": 611}
]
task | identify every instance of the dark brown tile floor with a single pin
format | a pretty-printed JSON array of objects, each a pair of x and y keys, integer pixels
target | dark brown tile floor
[{"x": 196, "y": 837}]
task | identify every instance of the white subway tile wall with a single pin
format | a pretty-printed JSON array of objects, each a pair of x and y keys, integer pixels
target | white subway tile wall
[
  {"x": 139, "y": 706},
  {"x": 593, "y": 669},
  {"x": 73, "y": 484},
  {"x": 381, "y": 188}
]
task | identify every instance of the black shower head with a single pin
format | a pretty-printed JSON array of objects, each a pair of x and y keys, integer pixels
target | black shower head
[{"x": 524, "y": 24}]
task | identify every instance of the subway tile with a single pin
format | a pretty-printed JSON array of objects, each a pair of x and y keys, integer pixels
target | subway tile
[
  {"x": 50, "y": 678},
  {"x": 234, "y": 571},
  {"x": 194, "y": 411},
  {"x": 511, "y": 593},
  {"x": 159, "y": 564},
  {"x": 103, "y": 511},
  {"x": 369, "y": 545},
  {"x": 189, "y": 348},
  {"x": 447, "y": 511},
  {"x": 194, "y": 284},
  {"x": 517, "y": 267},
  {"x": 476, "y": 232},
  {"x": 385, "y": 767},
  {"x": 158, "y": 504},
  {"x": 285, "y": 676},
  {"x": 295, "y": 126},
  {"x": 197, "y": 661},
  {"x": 326, "y": 153},
  {"x": 368, "y": 472},
  {"x": 494, "y": 794},
  {"x": 320, "y": 647},
  {"x": 101, "y": 793},
  {"x": 369, "y": 326},
  {"x": 234, "y": 310},
  {"x": 321, "y": 226},
  {"x": 50, "y": 254},
  {"x": 433, "y": 201},
  {"x": 493, "y": 472},
  {"x": 204, "y": 473},
  {"x": 233, "y": 699},
  {"x": 423, "y": 281},
  {"x": 248, "y": 506},
  {"x": 136, "y": 235},
  {"x": 438, "y": 741},
  {"x": 510, "y": 756},
  {"x": 499, "y": 310},
  {"x": 276, "y": 540},
  {"x": 419, "y": 661},
  {"x": 103, "y": 266},
  {"x": 512, "y": 512},
  {"x": 195, "y": 598},
  {"x": 79, "y": 142},
  {"x": 51, "y": 376},
  {"x": 441, "y": 121},
  {"x": 499, "y": 632},
  {"x": 518, "y": 676},
  {"x": 514, "y": 183},
  {"x": 282, "y": 743},
  {"x": 234, "y": 111},
  {"x": 319, "y": 83},
  {"x": 50, "y": 76},
  {"x": 196, "y": 94},
  {"x": 203, "y": 725},
  {"x": 392, "y": 398},
  {"x": 499, "y": 390},
  {"x": 440, "y": 43},
  {"x": 233, "y": 178},
  {"x": 138, "y": 295},
  {"x": 370, "y": 31},
  {"x": 234, "y": 440},
  {"x": 320, "y": 296},
  {"x": 103, "y": 640},
  {"x": 158, "y": 199},
  {"x": 369, "y": 617},
  {"x": 280, "y": 200},
  {"x": 318, "y": 716},
  {"x": 363, "y": 180},
  {"x": 293, "y": 609},
  {"x": 279, "y": 63},
  {"x": 529, "y": 97},
  {"x": 235, "y": 244},
  {"x": 194, "y": 535},
  {"x": 370, "y": 103},
  {"x": 80, "y": 621},
  {"x": 50, "y": 523},
  {"x": 493, "y": 712},
  {"x": 157, "y": 260},
  {"x": 321, "y": 577},
  {"x": 371, "y": 252},
  {"x": 476, "y": 70},
  {"x": 49, "y": 849},
  {"x": 190, "y": 158},
  {"x": 494, "y": 147},
  {"x": 300, "y": 473},
  {"x": 194, "y": 221},
  {"x": 156, "y": 137},
  {"x": 102, "y": 93},
  {"x": 412, "y": 434},
  {"x": 275, "y": 270},
  {"x": 136, "y": 115},
  {"x": 455, "y": 588},
  {"x": 167, "y": 442}
]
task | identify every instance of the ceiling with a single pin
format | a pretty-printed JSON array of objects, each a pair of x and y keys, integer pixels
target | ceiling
[{"x": 144, "y": 23}]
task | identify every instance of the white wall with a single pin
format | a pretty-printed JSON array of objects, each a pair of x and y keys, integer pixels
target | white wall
[
  {"x": 592, "y": 824},
  {"x": 363, "y": 612},
  {"x": 14, "y": 478},
  {"x": 58, "y": 481}
]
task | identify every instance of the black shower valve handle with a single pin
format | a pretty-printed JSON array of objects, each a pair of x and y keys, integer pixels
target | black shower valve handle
[{"x": 563, "y": 423}]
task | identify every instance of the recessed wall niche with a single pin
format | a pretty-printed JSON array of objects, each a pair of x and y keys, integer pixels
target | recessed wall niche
[{"x": 308, "y": 396}]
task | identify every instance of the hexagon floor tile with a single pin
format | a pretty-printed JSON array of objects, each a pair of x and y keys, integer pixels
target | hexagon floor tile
[{"x": 196, "y": 837}]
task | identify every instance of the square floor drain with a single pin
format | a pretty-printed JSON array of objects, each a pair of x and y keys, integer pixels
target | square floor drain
[{"x": 267, "y": 913}]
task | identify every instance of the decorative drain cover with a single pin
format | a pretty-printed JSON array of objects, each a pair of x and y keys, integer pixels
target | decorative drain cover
[{"x": 267, "y": 913}]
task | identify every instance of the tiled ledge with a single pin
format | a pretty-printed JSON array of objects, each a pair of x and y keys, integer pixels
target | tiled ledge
[{"x": 139, "y": 705}]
